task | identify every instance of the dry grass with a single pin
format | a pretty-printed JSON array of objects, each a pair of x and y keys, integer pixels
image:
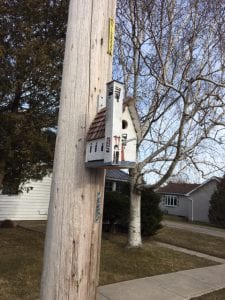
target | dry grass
[
  {"x": 175, "y": 218},
  {"x": 180, "y": 219},
  {"x": 20, "y": 264},
  {"x": 217, "y": 295},
  {"x": 119, "y": 263},
  {"x": 194, "y": 241},
  {"x": 21, "y": 253}
]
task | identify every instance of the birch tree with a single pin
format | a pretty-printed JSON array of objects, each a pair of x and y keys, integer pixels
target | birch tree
[{"x": 170, "y": 56}]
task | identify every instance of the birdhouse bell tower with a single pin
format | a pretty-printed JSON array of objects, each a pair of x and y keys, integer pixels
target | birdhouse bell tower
[{"x": 114, "y": 104}]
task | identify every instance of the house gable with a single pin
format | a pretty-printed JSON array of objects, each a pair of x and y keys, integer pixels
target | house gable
[{"x": 200, "y": 186}]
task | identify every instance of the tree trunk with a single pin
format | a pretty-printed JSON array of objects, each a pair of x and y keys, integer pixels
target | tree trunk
[
  {"x": 134, "y": 238},
  {"x": 72, "y": 246}
]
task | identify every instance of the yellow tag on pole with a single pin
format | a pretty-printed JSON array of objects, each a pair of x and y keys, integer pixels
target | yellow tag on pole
[{"x": 111, "y": 36}]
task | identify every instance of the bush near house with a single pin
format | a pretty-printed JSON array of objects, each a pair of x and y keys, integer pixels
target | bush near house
[
  {"x": 217, "y": 205},
  {"x": 116, "y": 212},
  {"x": 151, "y": 214}
]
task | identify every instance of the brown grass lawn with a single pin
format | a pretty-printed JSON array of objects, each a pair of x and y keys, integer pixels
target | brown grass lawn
[
  {"x": 21, "y": 253},
  {"x": 204, "y": 243},
  {"x": 119, "y": 263},
  {"x": 20, "y": 264},
  {"x": 180, "y": 219}
]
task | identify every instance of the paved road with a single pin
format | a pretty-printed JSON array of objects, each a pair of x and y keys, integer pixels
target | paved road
[
  {"x": 174, "y": 286},
  {"x": 196, "y": 228}
]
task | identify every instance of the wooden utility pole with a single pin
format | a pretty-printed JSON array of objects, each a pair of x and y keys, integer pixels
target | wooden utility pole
[{"x": 72, "y": 247}]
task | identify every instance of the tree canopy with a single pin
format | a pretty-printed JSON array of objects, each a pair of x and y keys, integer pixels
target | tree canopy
[
  {"x": 170, "y": 56},
  {"x": 31, "y": 54}
]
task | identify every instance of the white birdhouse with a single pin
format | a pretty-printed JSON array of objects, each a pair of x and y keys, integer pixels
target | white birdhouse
[{"x": 112, "y": 139}]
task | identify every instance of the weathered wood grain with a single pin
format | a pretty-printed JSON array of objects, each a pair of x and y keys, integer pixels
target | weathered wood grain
[{"x": 72, "y": 248}]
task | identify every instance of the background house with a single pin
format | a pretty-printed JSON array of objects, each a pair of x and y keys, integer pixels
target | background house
[
  {"x": 34, "y": 204},
  {"x": 116, "y": 180},
  {"x": 188, "y": 200}
]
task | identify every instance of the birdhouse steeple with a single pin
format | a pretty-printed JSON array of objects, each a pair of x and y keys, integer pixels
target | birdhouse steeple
[{"x": 114, "y": 102}]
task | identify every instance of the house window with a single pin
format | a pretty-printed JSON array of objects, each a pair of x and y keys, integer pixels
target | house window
[
  {"x": 108, "y": 185},
  {"x": 119, "y": 186},
  {"x": 90, "y": 147},
  {"x": 170, "y": 200},
  {"x": 96, "y": 147},
  {"x": 102, "y": 147}
]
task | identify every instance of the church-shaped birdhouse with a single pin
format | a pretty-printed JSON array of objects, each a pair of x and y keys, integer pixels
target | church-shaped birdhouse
[{"x": 112, "y": 139}]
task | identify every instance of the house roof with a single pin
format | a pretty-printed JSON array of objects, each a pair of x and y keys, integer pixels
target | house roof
[
  {"x": 177, "y": 188},
  {"x": 117, "y": 175},
  {"x": 97, "y": 128},
  {"x": 215, "y": 178}
]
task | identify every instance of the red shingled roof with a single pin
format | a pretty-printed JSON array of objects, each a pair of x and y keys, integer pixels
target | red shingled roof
[
  {"x": 97, "y": 128},
  {"x": 177, "y": 188}
]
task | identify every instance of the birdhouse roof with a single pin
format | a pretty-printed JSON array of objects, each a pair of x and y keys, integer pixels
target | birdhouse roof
[{"x": 97, "y": 128}]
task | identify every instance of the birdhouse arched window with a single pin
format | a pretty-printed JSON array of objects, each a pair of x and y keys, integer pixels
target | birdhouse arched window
[{"x": 124, "y": 124}]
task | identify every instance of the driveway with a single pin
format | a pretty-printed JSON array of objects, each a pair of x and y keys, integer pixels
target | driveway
[{"x": 218, "y": 232}]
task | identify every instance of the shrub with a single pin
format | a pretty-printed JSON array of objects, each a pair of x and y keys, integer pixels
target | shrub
[
  {"x": 116, "y": 210},
  {"x": 7, "y": 224},
  {"x": 217, "y": 205},
  {"x": 151, "y": 215}
]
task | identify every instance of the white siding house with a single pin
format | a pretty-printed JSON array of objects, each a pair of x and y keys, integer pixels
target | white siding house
[{"x": 34, "y": 204}]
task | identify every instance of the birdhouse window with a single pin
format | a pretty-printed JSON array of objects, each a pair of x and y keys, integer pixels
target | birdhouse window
[
  {"x": 124, "y": 139},
  {"x": 124, "y": 124},
  {"x": 110, "y": 91},
  {"x": 108, "y": 144},
  {"x": 96, "y": 147},
  {"x": 116, "y": 154},
  {"x": 117, "y": 93}
]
